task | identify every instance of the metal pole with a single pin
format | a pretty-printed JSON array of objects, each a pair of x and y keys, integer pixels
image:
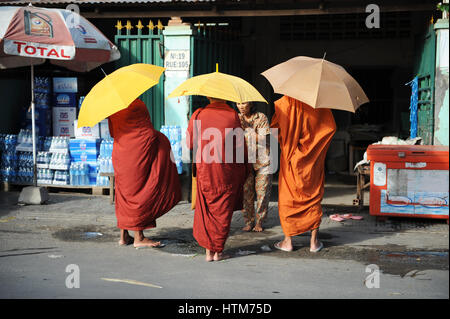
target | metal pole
[{"x": 33, "y": 126}]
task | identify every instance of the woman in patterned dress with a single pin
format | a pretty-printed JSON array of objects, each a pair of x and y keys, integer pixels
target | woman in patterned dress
[{"x": 257, "y": 129}]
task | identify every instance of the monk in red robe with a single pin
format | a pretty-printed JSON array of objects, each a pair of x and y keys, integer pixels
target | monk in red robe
[
  {"x": 304, "y": 135},
  {"x": 146, "y": 179},
  {"x": 220, "y": 181}
]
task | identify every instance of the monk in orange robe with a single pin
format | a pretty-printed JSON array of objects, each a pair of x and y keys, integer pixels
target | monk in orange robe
[
  {"x": 220, "y": 182},
  {"x": 146, "y": 180},
  {"x": 304, "y": 135}
]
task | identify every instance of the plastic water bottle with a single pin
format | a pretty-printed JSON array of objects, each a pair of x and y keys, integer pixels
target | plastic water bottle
[
  {"x": 102, "y": 147},
  {"x": 178, "y": 129}
]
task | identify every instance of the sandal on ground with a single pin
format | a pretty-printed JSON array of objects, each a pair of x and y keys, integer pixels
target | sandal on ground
[
  {"x": 148, "y": 246},
  {"x": 336, "y": 217},
  {"x": 350, "y": 216},
  {"x": 277, "y": 246},
  {"x": 317, "y": 249}
]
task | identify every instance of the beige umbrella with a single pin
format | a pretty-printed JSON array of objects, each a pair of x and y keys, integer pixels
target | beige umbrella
[{"x": 316, "y": 82}]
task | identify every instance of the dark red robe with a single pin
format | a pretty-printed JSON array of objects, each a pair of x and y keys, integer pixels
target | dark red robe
[
  {"x": 219, "y": 185},
  {"x": 147, "y": 182}
]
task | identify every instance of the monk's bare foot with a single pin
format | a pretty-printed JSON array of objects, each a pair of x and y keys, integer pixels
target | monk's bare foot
[
  {"x": 247, "y": 228},
  {"x": 126, "y": 242},
  {"x": 146, "y": 242},
  {"x": 220, "y": 256},
  {"x": 125, "y": 239},
  {"x": 258, "y": 227},
  {"x": 209, "y": 255}
]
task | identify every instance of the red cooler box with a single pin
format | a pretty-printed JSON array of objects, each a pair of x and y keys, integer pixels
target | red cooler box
[{"x": 409, "y": 180}]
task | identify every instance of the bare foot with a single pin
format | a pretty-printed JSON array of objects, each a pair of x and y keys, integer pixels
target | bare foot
[
  {"x": 146, "y": 242},
  {"x": 247, "y": 228},
  {"x": 258, "y": 227},
  {"x": 209, "y": 255},
  {"x": 125, "y": 239},
  {"x": 220, "y": 256}
]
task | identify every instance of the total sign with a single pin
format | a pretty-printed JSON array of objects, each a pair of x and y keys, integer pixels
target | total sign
[{"x": 39, "y": 50}]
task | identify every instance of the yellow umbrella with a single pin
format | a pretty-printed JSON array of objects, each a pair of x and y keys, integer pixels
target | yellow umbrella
[
  {"x": 219, "y": 85},
  {"x": 116, "y": 92},
  {"x": 316, "y": 82}
]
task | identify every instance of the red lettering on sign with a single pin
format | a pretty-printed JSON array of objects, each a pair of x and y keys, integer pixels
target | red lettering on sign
[
  {"x": 42, "y": 50},
  {"x": 19, "y": 45},
  {"x": 53, "y": 52},
  {"x": 23, "y": 47},
  {"x": 64, "y": 56},
  {"x": 28, "y": 51}
]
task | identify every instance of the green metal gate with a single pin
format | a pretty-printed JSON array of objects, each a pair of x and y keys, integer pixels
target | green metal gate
[
  {"x": 210, "y": 45},
  {"x": 144, "y": 48},
  {"x": 425, "y": 70}
]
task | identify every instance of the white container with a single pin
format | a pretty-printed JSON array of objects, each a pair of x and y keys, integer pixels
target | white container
[{"x": 83, "y": 132}]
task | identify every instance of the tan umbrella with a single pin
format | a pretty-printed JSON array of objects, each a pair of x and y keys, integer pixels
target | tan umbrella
[{"x": 316, "y": 82}]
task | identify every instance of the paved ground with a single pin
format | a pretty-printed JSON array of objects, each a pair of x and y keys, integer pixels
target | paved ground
[{"x": 37, "y": 243}]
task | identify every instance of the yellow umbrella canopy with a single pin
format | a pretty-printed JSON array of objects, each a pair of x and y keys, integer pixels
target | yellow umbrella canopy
[
  {"x": 316, "y": 82},
  {"x": 116, "y": 92},
  {"x": 219, "y": 85}
]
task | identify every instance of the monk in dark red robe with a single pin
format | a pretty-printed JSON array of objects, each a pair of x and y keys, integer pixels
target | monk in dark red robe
[
  {"x": 146, "y": 179},
  {"x": 220, "y": 174}
]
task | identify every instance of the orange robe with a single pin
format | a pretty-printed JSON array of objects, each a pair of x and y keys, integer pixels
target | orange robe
[
  {"x": 304, "y": 135},
  {"x": 219, "y": 185},
  {"x": 146, "y": 180}
]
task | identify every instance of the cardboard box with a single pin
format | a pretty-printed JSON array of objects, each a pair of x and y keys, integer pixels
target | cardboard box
[
  {"x": 82, "y": 156},
  {"x": 83, "y": 132},
  {"x": 65, "y": 85},
  {"x": 64, "y": 115},
  {"x": 63, "y": 118},
  {"x": 64, "y": 99},
  {"x": 78, "y": 146},
  {"x": 63, "y": 129},
  {"x": 104, "y": 129}
]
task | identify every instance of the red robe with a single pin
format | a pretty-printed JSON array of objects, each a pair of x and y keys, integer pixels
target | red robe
[
  {"x": 219, "y": 185},
  {"x": 147, "y": 182}
]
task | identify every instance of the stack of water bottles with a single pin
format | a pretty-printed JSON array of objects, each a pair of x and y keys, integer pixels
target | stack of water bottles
[
  {"x": 59, "y": 144},
  {"x": 25, "y": 141},
  {"x": 46, "y": 143},
  {"x": 173, "y": 133},
  {"x": 104, "y": 161},
  {"x": 60, "y": 160},
  {"x": 8, "y": 162},
  {"x": 24, "y": 152},
  {"x": 84, "y": 152},
  {"x": 44, "y": 174},
  {"x": 79, "y": 174},
  {"x": 24, "y": 168}
]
